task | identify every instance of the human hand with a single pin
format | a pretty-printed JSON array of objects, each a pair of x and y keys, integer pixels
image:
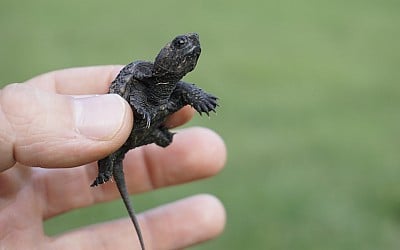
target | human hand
[{"x": 47, "y": 122}]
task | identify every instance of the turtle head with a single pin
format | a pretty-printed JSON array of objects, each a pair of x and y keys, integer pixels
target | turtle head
[{"x": 178, "y": 57}]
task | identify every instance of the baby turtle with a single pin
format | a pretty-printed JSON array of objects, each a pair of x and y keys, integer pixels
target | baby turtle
[{"x": 154, "y": 91}]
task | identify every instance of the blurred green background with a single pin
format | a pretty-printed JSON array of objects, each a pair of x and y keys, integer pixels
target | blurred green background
[{"x": 310, "y": 107}]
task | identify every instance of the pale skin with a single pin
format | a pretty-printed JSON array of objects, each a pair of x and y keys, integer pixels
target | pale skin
[{"x": 54, "y": 121}]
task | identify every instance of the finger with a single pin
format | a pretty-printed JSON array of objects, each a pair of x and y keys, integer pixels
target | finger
[
  {"x": 60, "y": 131},
  {"x": 174, "y": 226},
  {"x": 93, "y": 80},
  {"x": 195, "y": 153},
  {"x": 180, "y": 117},
  {"x": 78, "y": 81}
]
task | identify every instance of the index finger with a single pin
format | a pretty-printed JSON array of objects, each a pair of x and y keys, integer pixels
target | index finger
[
  {"x": 77, "y": 81},
  {"x": 93, "y": 80}
]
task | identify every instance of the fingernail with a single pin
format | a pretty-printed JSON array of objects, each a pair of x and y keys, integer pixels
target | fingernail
[{"x": 99, "y": 117}]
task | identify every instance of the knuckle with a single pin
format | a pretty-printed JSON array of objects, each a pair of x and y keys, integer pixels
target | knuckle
[{"x": 18, "y": 105}]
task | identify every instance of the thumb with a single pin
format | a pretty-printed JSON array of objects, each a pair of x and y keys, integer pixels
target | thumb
[{"x": 44, "y": 129}]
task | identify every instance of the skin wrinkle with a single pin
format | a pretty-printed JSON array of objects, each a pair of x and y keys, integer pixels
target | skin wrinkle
[
  {"x": 56, "y": 82},
  {"x": 5, "y": 98},
  {"x": 25, "y": 194},
  {"x": 48, "y": 211},
  {"x": 43, "y": 189},
  {"x": 45, "y": 149},
  {"x": 7, "y": 138},
  {"x": 41, "y": 186},
  {"x": 24, "y": 118},
  {"x": 54, "y": 79}
]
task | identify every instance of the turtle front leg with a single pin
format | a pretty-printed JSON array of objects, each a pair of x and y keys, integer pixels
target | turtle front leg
[{"x": 190, "y": 94}]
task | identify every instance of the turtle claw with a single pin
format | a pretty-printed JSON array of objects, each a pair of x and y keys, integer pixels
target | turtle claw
[
  {"x": 147, "y": 118},
  {"x": 148, "y": 121},
  {"x": 205, "y": 104}
]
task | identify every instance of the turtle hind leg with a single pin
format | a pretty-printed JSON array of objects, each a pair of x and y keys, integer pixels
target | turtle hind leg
[
  {"x": 160, "y": 136},
  {"x": 106, "y": 167},
  {"x": 163, "y": 137}
]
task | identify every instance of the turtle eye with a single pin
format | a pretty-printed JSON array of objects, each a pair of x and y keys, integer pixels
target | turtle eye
[{"x": 179, "y": 42}]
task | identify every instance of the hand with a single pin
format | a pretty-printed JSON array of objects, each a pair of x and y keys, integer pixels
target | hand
[{"x": 47, "y": 122}]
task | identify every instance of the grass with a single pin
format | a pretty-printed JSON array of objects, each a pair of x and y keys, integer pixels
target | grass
[{"x": 309, "y": 92}]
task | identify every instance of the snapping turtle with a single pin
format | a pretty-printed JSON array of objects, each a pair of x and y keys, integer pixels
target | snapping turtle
[{"x": 154, "y": 91}]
